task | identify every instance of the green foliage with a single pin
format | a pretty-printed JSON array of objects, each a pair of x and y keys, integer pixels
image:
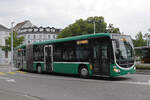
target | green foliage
[
  {"x": 81, "y": 27},
  {"x": 112, "y": 29},
  {"x": 16, "y": 42},
  {"x": 143, "y": 66},
  {"x": 139, "y": 41}
]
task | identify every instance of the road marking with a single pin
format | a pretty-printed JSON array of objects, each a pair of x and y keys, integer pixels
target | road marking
[
  {"x": 137, "y": 83},
  {"x": 11, "y": 72},
  {"x": 30, "y": 97},
  {"x": 7, "y": 79},
  {"x": 21, "y": 72},
  {"x": 2, "y": 73},
  {"x": 10, "y": 80}
]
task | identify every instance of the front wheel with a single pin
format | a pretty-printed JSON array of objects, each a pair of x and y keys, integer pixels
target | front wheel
[{"x": 84, "y": 73}]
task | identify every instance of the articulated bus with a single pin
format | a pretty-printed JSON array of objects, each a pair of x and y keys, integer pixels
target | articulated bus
[{"x": 86, "y": 55}]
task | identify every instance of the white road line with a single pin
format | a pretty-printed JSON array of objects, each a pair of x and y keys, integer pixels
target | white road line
[
  {"x": 7, "y": 79},
  {"x": 30, "y": 97},
  {"x": 136, "y": 83},
  {"x": 10, "y": 80}
]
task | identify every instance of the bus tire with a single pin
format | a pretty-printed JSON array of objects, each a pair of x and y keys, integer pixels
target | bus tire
[
  {"x": 83, "y": 72},
  {"x": 39, "y": 69}
]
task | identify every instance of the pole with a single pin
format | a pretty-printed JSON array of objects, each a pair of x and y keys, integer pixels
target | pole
[
  {"x": 11, "y": 46},
  {"x": 94, "y": 27}
]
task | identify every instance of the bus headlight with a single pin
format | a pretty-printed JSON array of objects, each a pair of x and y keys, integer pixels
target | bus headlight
[{"x": 116, "y": 70}]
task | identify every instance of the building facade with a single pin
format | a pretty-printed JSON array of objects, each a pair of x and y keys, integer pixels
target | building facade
[
  {"x": 38, "y": 34},
  {"x": 4, "y": 56}
]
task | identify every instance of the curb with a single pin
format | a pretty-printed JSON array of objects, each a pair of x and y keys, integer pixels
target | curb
[{"x": 143, "y": 71}]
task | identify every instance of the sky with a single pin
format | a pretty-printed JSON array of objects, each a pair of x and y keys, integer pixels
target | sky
[{"x": 130, "y": 16}]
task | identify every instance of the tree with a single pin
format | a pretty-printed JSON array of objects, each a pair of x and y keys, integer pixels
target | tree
[
  {"x": 81, "y": 27},
  {"x": 112, "y": 29},
  {"x": 16, "y": 42},
  {"x": 139, "y": 40}
]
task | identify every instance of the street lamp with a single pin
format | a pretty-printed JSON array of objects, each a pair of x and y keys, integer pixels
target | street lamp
[
  {"x": 94, "y": 22},
  {"x": 91, "y": 21},
  {"x": 11, "y": 46},
  {"x": 147, "y": 38},
  {"x": 94, "y": 27}
]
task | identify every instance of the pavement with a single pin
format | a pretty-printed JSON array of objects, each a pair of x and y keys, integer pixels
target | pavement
[
  {"x": 20, "y": 85},
  {"x": 9, "y": 95}
]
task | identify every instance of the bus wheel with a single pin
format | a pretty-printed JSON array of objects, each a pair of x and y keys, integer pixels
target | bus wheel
[
  {"x": 39, "y": 68},
  {"x": 84, "y": 73}
]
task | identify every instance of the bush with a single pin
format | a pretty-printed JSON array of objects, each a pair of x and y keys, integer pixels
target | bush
[{"x": 143, "y": 67}]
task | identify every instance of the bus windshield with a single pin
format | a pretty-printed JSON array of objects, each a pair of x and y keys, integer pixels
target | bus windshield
[{"x": 123, "y": 48}]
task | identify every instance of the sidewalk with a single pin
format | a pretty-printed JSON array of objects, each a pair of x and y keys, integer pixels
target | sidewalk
[{"x": 4, "y": 65}]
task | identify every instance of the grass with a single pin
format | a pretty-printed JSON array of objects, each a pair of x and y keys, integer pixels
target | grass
[{"x": 143, "y": 67}]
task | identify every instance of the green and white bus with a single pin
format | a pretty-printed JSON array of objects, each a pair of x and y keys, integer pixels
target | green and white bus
[{"x": 86, "y": 55}]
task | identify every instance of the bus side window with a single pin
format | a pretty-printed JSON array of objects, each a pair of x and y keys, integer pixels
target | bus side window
[
  {"x": 65, "y": 55},
  {"x": 83, "y": 53},
  {"x": 72, "y": 55},
  {"x": 38, "y": 53},
  {"x": 57, "y": 54}
]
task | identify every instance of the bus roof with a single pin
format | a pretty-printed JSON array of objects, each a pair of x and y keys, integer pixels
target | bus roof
[{"x": 81, "y": 37}]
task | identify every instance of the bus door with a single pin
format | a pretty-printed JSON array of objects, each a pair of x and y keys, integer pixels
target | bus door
[
  {"x": 20, "y": 59},
  {"x": 48, "y": 58},
  {"x": 29, "y": 57},
  {"x": 101, "y": 59},
  {"x": 105, "y": 59}
]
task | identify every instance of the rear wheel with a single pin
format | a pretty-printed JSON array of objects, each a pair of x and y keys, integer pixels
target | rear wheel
[{"x": 84, "y": 73}]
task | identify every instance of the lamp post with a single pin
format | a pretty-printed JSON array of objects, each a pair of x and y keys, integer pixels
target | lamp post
[
  {"x": 94, "y": 27},
  {"x": 94, "y": 24},
  {"x": 90, "y": 21},
  {"x": 11, "y": 46},
  {"x": 147, "y": 39}
]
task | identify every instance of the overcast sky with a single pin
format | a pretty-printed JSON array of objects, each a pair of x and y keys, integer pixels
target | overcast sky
[{"x": 131, "y": 16}]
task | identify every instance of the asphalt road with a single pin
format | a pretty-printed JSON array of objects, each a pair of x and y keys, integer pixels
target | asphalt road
[{"x": 19, "y": 85}]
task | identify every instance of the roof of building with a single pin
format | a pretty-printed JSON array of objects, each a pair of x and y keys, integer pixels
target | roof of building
[
  {"x": 3, "y": 28},
  {"x": 21, "y": 24}
]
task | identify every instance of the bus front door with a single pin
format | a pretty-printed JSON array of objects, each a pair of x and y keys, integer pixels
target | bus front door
[
  {"x": 101, "y": 59},
  {"x": 48, "y": 50}
]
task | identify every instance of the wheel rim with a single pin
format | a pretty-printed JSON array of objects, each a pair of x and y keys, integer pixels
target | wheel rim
[{"x": 84, "y": 72}]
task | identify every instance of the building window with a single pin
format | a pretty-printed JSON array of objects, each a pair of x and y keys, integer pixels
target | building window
[
  {"x": 47, "y": 29},
  {"x": 52, "y": 30},
  {"x": 49, "y": 36},
  {"x": 53, "y": 36},
  {"x": 35, "y": 29},
  {"x": 28, "y": 36},
  {"x": 40, "y": 36},
  {"x": 28, "y": 42},
  {"x": 34, "y": 36},
  {"x": 41, "y": 29},
  {"x": 6, "y": 54}
]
